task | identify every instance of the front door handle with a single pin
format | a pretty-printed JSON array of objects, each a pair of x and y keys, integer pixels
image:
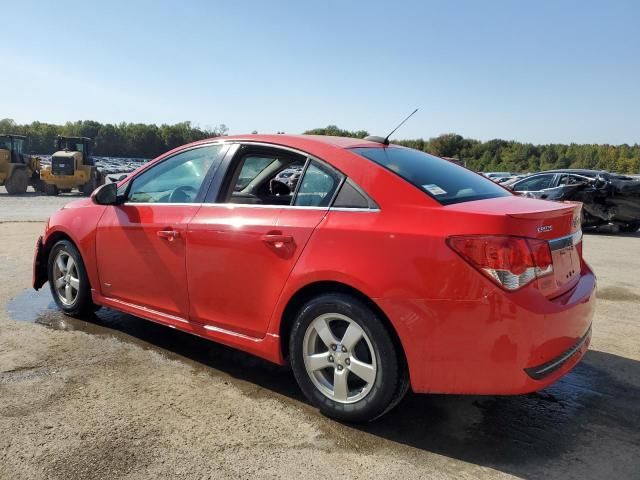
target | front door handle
[
  {"x": 169, "y": 235},
  {"x": 277, "y": 239}
]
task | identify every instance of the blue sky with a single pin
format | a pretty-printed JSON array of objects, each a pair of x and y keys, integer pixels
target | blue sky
[{"x": 543, "y": 71}]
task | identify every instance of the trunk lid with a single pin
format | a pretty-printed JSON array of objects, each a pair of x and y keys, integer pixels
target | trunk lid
[{"x": 557, "y": 223}]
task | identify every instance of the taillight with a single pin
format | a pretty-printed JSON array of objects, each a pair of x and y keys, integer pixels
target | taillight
[{"x": 511, "y": 262}]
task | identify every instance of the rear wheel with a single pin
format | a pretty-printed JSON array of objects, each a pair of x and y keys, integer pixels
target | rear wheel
[
  {"x": 68, "y": 280},
  {"x": 630, "y": 227},
  {"x": 50, "y": 190},
  {"x": 344, "y": 359},
  {"x": 91, "y": 185},
  {"x": 17, "y": 183}
]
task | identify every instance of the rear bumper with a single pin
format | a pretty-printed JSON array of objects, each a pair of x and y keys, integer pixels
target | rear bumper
[
  {"x": 499, "y": 343},
  {"x": 540, "y": 372}
]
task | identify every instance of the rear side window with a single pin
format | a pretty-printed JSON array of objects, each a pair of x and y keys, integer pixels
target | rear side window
[
  {"x": 318, "y": 185},
  {"x": 535, "y": 183},
  {"x": 350, "y": 197},
  {"x": 445, "y": 181}
]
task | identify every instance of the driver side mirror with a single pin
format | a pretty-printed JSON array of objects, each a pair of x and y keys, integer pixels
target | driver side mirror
[{"x": 107, "y": 194}]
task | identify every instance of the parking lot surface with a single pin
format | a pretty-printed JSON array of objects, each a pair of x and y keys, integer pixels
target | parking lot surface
[{"x": 114, "y": 396}]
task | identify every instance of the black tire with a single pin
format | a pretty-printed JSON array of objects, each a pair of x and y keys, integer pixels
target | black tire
[
  {"x": 50, "y": 190},
  {"x": 91, "y": 185},
  {"x": 18, "y": 182},
  {"x": 37, "y": 184},
  {"x": 82, "y": 303},
  {"x": 630, "y": 227},
  {"x": 390, "y": 382}
]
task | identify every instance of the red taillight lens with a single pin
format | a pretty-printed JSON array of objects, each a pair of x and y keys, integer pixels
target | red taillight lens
[{"x": 511, "y": 262}]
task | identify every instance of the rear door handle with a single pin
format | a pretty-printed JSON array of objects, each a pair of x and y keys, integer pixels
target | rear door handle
[
  {"x": 277, "y": 240},
  {"x": 170, "y": 235}
]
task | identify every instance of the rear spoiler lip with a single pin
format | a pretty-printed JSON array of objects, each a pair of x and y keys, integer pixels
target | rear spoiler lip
[{"x": 569, "y": 208}]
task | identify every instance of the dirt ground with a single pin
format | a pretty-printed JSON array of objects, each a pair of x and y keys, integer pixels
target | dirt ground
[{"x": 114, "y": 396}]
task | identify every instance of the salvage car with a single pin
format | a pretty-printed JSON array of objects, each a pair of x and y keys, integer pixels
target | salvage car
[
  {"x": 381, "y": 268},
  {"x": 607, "y": 198}
]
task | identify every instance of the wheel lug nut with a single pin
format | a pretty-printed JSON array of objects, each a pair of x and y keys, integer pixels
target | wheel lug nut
[
  {"x": 339, "y": 367},
  {"x": 347, "y": 361},
  {"x": 333, "y": 347},
  {"x": 331, "y": 358},
  {"x": 344, "y": 349}
]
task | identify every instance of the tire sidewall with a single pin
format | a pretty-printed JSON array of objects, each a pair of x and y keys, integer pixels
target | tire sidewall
[
  {"x": 83, "y": 300},
  {"x": 18, "y": 182},
  {"x": 382, "y": 393}
]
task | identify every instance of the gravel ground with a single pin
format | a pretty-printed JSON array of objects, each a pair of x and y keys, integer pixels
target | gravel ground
[{"x": 113, "y": 396}]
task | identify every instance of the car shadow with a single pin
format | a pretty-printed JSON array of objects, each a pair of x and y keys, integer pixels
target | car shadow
[{"x": 582, "y": 426}]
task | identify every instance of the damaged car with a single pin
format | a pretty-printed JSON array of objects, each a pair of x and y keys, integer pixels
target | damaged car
[{"x": 608, "y": 198}]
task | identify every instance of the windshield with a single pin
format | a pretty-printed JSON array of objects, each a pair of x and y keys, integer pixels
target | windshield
[{"x": 445, "y": 181}]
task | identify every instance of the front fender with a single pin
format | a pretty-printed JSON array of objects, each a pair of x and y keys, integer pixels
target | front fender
[{"x": 76, "y": 222}]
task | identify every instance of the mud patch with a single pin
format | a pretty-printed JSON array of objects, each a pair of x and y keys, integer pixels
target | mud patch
[
  {"x": 203, "y": 355},
  {"x": 618, "y": 294}
]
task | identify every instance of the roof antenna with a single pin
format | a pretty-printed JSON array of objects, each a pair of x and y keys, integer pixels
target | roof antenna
[{"x": 385, "y": 140}]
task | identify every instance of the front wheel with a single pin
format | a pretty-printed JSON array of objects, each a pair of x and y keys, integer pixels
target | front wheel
[
  {"x": 18, "y": 182},
  {"x": 344, "y": 359},
  {"x": 50, "y": 190},
  {"x": 68, "y": 280}
]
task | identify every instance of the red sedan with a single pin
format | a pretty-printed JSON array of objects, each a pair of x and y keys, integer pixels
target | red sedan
[{"x": 367, "y": 267}]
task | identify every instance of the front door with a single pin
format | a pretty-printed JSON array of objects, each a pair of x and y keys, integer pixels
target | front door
[
  {"x": 241, "y": 249},
  {"x": 141, "y": 245}
]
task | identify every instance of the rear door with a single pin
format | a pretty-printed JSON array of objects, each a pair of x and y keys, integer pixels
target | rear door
[
  {"x": 243, "y": 244},
  {"x": 141, "y": 244}
]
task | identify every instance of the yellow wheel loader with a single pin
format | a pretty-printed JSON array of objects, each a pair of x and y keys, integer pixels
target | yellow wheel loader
[
  {"x": 71, "y": 167},
  {"x": 17, "y": 170}
]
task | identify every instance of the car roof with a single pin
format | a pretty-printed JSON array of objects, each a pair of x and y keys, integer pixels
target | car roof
[
  {"x": 66, "y": 137},
  {"x": 297, "y": 140},
  {"x": 578, "y": 171},
  {"x": 11, "y": 135}
]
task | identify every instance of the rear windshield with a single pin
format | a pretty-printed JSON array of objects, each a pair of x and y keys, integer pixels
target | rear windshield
[{"x": 443, "y": 180}]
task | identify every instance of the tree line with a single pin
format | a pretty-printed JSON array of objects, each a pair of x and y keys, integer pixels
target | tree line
[
  {"x": 137, "y": 140},
  {"x": 508, "y": 155},
  {"x": 140, "y": 140}
]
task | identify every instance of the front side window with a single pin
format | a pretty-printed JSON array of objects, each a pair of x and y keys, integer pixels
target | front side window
[
  {"x": 252, "y": 165},
  {"x": 318, "y": 185},
  {"x": 534, "y": 184},
  {"x": 178, "y": 179},
  {"x": 444, "y": 181}
]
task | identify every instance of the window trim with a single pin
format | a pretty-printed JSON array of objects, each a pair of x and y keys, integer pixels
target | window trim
[
  {"x": 216, "y": 186},
  {"x": 206, "y": 183},
  {"x": 216, "y": 175}
]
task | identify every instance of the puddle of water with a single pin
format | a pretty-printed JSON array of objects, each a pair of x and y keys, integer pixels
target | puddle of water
[
  {"x": 29, "y": 305},
  {"x": 201, "y": 354}
]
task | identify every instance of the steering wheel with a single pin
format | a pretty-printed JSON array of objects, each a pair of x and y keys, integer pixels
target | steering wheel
[
  {"x": 183, "y": 194},
  {"x": 276, "y": 187}
]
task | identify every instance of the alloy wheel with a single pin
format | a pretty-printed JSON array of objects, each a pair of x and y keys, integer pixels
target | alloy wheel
[
  {"x": 66, "y": 278},
  {"x": 339, "y": 358}
]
